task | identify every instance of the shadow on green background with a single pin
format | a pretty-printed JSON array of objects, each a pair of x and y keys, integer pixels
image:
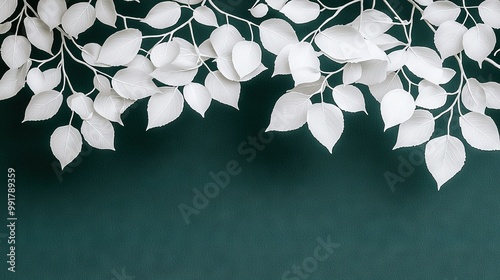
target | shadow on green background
[{"x": 117, "y": 210}]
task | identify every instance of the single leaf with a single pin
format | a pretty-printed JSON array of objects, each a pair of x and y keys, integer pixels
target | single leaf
[
  {"x": 276, "y": 4},
  {"x": 480, "y": 131},
  {"x": 39, "y": 81},
  {"x": 99, "y": 133},
  {"x": 473, "y": 96},
  {"x": 164, "y": 53},
  {"x": 43, "y": 106},
  {"x": 206, "y": 50},
  {"x": 397, "y": 59},
  {"x": 386, "y": 42},
  {"x": 290, "y": 112},
  {"x": 121, "y": 47},
  {"x": 7, "y": 8},
  {"x": 133, "y": 84},
  {"x": 372, "y": 23},
  {"x": 78, "y": 18},
  {"x": 445, "y": 157},
  {"x": 301, "y": 11},
  {"x": 66, "y": 144},
  {"x": 51, "y": 12},
  {"x": 15, "y": 50},
  {"x": 441, "y": 11},
  {"x": 5, "y": 27},
  {"x": 430, "y": 96},
  {"x": 396, "y": 107},
  {"x": 81, "y": 104},
  {"x": 342, "y": 43},
  {"x": 164, "y": 107},
  {"x": 489, "y": 10},
  {"x": 246, "y": 57},
  {"x": 392, "y": 82},
  {"x": 198, "y": 97},
  {"x": 373, "y": 72},
  {"x": 304, "y": 64},
  {"x": 224, "y": 39},
  {"x": 311, "y": 88},
  {"x": 102, "y": 83},
  {"x": 352, "y": 72},
  {"x": 204, "y": 15},
  {"x": 39, "y": 34},
  {"x": 260, "y": 10},
  {"x": 415, "y": 131},
  {"x": 281, "y": 63},
  {"x": 109, "y": 105},
  {"x": 425, "y": 63},
  {"x": 11, "y": 83},
  {"x": 479, "y": 41},
  {"x": 492, "y": 91},
  {"x": 349, "y": 98},
  {"x": 449, "y": 38},
  {"x": 326, "y": 123},
  {"x": 174, "y": 76},
  {"x": 223, "y": 90},
  {"x": 163, "y": 15},
  {"x": 275, "y": 34},
  {"x": 141, "y": 63},
  {"x": 106, "y": 12}
]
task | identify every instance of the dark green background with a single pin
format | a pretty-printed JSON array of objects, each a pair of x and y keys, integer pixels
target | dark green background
[{"x": 119, "y": 209}]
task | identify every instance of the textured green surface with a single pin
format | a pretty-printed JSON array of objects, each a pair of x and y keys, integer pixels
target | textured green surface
[{"x": 120, "y": 209}]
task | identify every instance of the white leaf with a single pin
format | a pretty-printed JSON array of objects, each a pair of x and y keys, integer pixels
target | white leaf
[
  {"x": 444, "y": 156},
  {"x": 43, "y": 106},
  {"x": 164, "y": 107},
  {"x": 223, "y": 90},
  {"x": 397, "y": 59},
  {"x": 66, "y": 144},
  {"x": 275, "y": 34},
  {"x": 207, "y": 50},
  {"x": 373, "y": 72},
  {"x": 311, "y": 88},
  {"x": 246, "y": 57},
  {"x": 198, "y": 97},
  {"x": 81, "y": 104},
  {"x": 141, "y": 63},
  {"x": 259, "y": 11},
  {"x": 7, "y": 8},
  {"x": 489, "y": 10},
  {"x": 290, "y": 112},
  {"x": 174, "y": 76},
  {"x": 78, "y": 18},
  {"x": 189, "y": 2},
  {"x": 163, "y": 15},
  {"x": 449, "y": 38},
  {"x": 38, "y": 33},
  {"x": 121, "y": 47},
  {"x": 392, "y": 82},
  {"x": 430, "y": 96},
  {"x": 386, "y": 42},
  {"x": 281, "y": 63},
  {"x": 276, "y": 4},
  {"x": 51, "y": 12},
  {"x": 99, "y": 133},
  {"x": 473, "y": 96},
  {"x": 11, "y": 83},
  {"x": 133, "y": 84},
  {"x": 373, "y": 23},
  {"x": 261, "y": 68},
  {"x": 39, "y": 81},
  {"x": 224, "y": 39},
  {"x": 352, "y": 72},
  {"x": 426, "y": 63},
  {"x": 109, "y": 105},
  {"x": 349, "y": 98},
  {"x": 424, "y": 2},
  {"x": 342, "y": 43},
  {"x": 326, "y": 123},
  {"x": 15, "y": 51},
  {"x": 106, "y": 12},
  {"x": 187, "y": 59},
  {"x": 304, "y": 64},
  {"x": 396, "y": 107},
  {"x": 479, "y": 42},
  {"x": 492, "y": 91},
  {"x": 441, "y": 11},
  {"x": 204, "y": 15},
  {"x": 5, "y": 27},
  {"x": 226, "y": 66},
  {"x": 164, "y": 53},
  {"x": 480, "y": 131},
  {"x": 102, "y": 83},
  {"x": 415, "y": 131},
  {"x": 90, "y": 53},
  {"x": 301, "y": 11}
]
